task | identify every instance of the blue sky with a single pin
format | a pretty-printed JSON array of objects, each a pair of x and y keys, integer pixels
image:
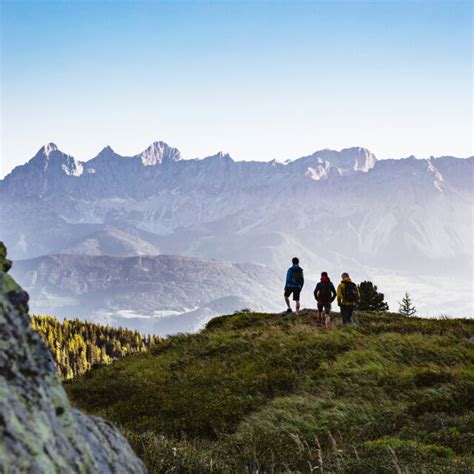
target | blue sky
[{"x": 260, "y": 80}]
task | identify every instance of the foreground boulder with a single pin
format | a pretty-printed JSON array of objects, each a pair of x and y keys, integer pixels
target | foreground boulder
[{"x": 39, "y": 431}]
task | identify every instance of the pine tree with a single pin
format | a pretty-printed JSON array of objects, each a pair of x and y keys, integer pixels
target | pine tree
[
  {"x": 370, "y": 298},
  {"x": 406, "y": 307},
  {"x": 76, "y": 345}
]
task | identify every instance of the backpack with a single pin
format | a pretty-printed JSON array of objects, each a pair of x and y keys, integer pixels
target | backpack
[
  {"x": 297, "y": 276},
  {"x": 325, "y": 293},
  {"x": 350, "y": 292}
]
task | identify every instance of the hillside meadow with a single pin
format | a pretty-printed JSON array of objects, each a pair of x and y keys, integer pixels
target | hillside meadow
[{"x": 258, "y": 392}]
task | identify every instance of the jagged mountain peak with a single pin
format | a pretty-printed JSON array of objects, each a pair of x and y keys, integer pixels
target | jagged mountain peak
[
  {"x": 50, "y": 159},
  {"x": 324, "y": 163},
  {"x": 47, "y": 149},
  {"x": 106, "y": 152},
  {"x": 333, "y": 155},
  {"x": 357, "y": 149},
  {"x": 359, "y": 154},
  {"x": 103, "y": 162},
  {"x": 220, "y": 155},
  {"x": 107, "y": 149},
  {"x": 159, "y": 152}
]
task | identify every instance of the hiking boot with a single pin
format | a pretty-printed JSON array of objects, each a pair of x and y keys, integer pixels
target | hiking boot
[{"x": 289, "y": 310}]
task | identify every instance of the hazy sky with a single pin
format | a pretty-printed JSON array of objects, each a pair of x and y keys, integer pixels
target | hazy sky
[{"x": 260, "y": 80}]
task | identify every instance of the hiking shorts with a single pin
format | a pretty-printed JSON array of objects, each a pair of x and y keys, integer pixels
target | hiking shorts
[
  {"x": 324, "y": 306},
  {"x": 296, "y": 293}
]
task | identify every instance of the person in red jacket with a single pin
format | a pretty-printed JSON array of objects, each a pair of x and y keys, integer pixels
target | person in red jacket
[{"x": 325, "y": 294}]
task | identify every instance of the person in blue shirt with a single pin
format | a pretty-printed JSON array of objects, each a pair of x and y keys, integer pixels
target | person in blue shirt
[{"x": 294, "y": 284}]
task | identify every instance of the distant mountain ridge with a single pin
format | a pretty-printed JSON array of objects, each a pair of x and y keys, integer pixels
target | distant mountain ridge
[
  {"x": 52, "y": 168},
  {"x": 157, "y": 294},
  {"x": 334, "y": 209},
  {"x": 112, "y": 242}
]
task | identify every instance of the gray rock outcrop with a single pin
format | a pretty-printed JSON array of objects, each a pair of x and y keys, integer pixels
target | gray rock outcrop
[{"x": 39, "y": 430}]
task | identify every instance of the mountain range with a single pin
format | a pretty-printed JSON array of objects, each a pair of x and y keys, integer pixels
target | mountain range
[{"x": 407, "y": 223}]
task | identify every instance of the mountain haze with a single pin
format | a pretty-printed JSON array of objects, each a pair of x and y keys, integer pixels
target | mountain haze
[
  {"x": 157, "y": 294},
  {"x": 112, "y": 242},
  {"x": 406, "y": 223}
]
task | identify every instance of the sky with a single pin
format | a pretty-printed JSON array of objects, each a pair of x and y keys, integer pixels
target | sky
[{"x": 260, "y": 80}]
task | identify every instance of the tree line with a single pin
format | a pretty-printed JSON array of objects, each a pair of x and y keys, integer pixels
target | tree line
[{"x": 77, "y": 346}]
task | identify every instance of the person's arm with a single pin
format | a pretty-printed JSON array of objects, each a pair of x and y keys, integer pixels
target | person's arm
[
  {"x": 315, "y": 292},
  {"x": 302, "y": 278},
  {"x": 334, "y": 293},
  {"x": 340, "y": 289},
  {"x": 358, "y": 293},
  {"x": 288, "y": 277}
]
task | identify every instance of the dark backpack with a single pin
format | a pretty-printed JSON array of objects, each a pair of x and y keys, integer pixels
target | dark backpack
[
  {"x": 297, "y": 276},
  {"x": 350, "y": 292},
  {"x": 325, "y": 293}
]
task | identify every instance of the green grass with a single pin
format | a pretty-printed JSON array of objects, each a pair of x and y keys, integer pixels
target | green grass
[{"x": 268, "y": 393}]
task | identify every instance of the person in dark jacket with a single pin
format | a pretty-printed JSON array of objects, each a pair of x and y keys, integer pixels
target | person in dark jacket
[
  {"x": 294, "y": 284},
  {"x": 325, "y": 294}
]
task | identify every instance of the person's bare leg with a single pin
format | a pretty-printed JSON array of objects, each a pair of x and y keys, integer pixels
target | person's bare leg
[
  {"x": 297, "y": 307},
  {"x": 287, "y": 301},
  {"x": 320, "y": 317},
  {"x": 328, "y": 321}
]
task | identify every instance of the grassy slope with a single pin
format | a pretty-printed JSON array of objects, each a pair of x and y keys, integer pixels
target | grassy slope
[{"x": 268, "y": 392}]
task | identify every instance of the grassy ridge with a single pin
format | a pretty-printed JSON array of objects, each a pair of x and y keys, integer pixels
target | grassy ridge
[{"x": 273, "y": 393}]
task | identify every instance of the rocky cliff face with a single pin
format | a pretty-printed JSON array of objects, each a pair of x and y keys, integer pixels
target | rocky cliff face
[{"x": 39, "y": 430}]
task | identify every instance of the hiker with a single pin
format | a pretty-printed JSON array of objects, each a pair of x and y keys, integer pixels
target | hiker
[
  {"x": 294, "y": 284},
  {"x": 347, "y": 298},
  {"x": 325, "y": 294}
]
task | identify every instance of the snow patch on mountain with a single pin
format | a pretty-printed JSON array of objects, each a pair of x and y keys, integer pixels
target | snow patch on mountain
[
  {"x": 157, "y": 153},
  {"x": 46, "y": 150},
  {"x": 438, "y": 179}
]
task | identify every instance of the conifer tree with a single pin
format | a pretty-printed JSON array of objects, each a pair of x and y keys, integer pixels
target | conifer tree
[
  {"x": 370, "y": 298},
  {"x": 78, "y": 345},
  {"x": 406, "y": 307}
]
